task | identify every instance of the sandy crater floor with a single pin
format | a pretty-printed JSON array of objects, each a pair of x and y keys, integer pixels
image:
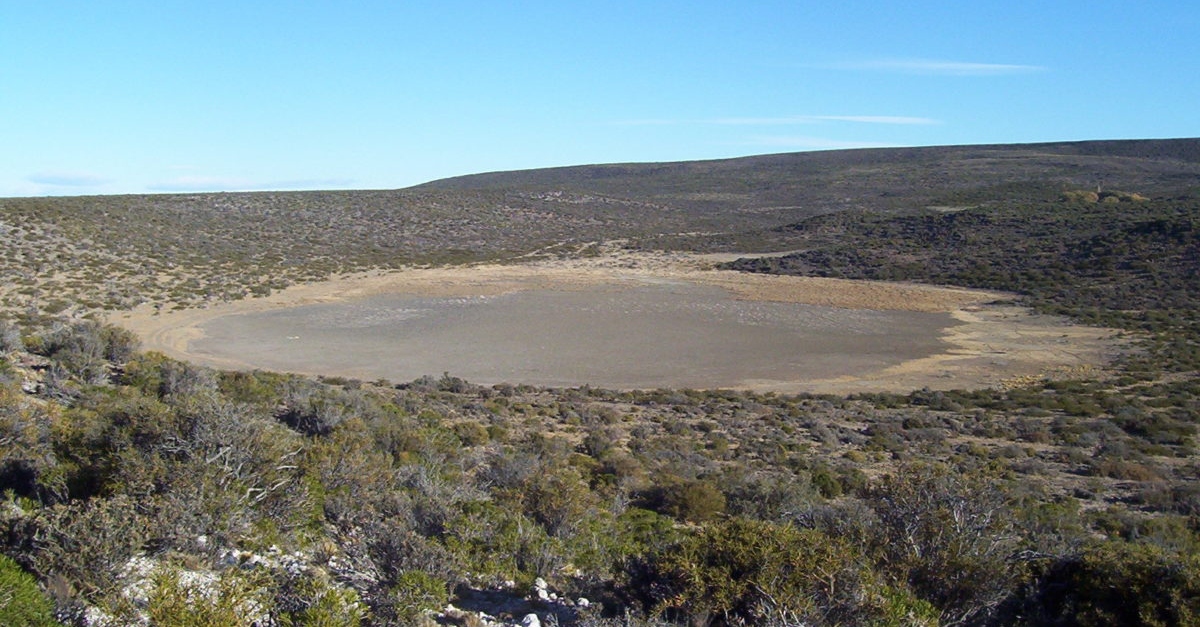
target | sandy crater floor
[{"x": 951, "y": 338}]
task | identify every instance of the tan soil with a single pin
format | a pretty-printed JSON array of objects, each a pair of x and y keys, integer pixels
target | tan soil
[{"x": 996, "y": 344}]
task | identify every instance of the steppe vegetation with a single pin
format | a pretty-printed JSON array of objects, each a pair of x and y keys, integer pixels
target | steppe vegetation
[{"x": 139, "y": 489}]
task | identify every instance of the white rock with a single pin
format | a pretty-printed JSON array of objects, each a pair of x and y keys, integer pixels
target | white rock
[
  {"x": 540, "y": 583},
  {"x": 582, "y": 602},
  {"x": 96, "y": 617},
  {"x": 531, "y": 620}
]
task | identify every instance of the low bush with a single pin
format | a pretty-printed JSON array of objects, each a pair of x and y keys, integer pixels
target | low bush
[{"x": 22, "y": 603}]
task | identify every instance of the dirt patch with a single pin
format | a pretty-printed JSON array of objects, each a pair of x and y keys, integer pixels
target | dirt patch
[{"x": 990, "y": 343}]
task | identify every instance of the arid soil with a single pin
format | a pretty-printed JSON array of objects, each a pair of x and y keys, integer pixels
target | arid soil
[{"x": 994, "y": 343}]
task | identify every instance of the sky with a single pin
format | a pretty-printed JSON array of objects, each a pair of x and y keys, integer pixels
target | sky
[{"x": 115, "y": 97}]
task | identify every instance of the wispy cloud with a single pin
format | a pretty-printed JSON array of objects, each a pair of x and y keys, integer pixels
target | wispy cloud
[
  {"x": 651, "y": 122},
  {"x": 67, "y": 179},
  {"x": 805, "y": 142},
  {"x": 791, "y": 120},
  {"x": 814, "y": 119},
  {"x": 938, "y": 67}
]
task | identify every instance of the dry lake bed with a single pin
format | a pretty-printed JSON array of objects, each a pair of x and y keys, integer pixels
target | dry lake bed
[
  {"x": 629, "y": 322},
  {"x": 665, "y": 335}
]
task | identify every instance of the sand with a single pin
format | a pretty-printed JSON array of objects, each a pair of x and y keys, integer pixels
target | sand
[{"x": 990, "y": 343}]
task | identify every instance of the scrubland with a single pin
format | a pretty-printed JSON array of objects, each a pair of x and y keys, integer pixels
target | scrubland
[{"x": 141, "y": 489}]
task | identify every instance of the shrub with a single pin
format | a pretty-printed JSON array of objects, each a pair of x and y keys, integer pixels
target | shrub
[
  {"x": 313, "y": 409},
  {"x": 770, "y": 496},
  {"x": 1123, "y": 469},
  {"x": 471, "y": 433},
  {"x": 558, "y": 500},
  {"x": 416, "y": 593},
  {"x": 87, "y": 544},
  {"x": 157, "y": 374},
  {"x": 1118, "y": 583},
  {"x": 497, "y": 544},
  {"x": 947, "y": 536},
  {"x": 21, "y": 601},
  {"x": 27, "y": 461},
  {"x": 695, "y": 501},
  {"x": 325, "y": 606},
  {"x": 750, "y": 572},
  {"x": 10, "y": 337},
  {"x": 185, "y": 599}
]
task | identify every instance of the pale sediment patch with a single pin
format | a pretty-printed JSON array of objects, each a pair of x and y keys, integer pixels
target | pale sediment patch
[{"x": 991, "y": 344}]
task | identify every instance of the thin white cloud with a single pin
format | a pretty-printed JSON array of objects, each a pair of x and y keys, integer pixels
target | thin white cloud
[
  {"x": 937, "y": 67},
  {"x": 787, "y": 120},
  {"x": 67, "y": 179},
  {"x": 813, "y": 119},
  {"x": 879, "y": 119},
  {"x": 652, "y": 122},
  {"x": 805, "y": 142}
]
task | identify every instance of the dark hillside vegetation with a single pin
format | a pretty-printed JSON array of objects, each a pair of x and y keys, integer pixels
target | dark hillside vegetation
[
  {"x": 142, "y": 490},
  {"x": 114, "y": 252},
  {"x": 802, "y": 185},
  {"x": 1132, "y": 263}
]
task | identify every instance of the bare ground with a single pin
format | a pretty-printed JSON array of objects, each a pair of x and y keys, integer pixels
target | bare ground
[{"x": 995, "y": 344}]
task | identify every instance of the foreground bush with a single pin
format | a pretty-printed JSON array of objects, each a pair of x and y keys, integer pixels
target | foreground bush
[
  {"x": 739, "y": 571},
  {"x": 1117, "y": 583},
  {"x": 21, "y": 601}
]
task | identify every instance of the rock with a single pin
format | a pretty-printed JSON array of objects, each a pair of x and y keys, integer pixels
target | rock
[
  {"x": 531, "y": 620},
  {"x": 582, "y": 602},
  {"x": 541, "y": 591}
]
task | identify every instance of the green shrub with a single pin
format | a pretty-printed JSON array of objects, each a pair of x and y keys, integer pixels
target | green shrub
[
  {"x": 85, "y": 543},
  {"x": 498, "y": 544},
  {"x": 471, "y": 433},
  {"x": 1118, "y": 583},
  {"x": 21, "y": 601},
  {"x": 27, "y": 461},
  {"x": 826, "y": 483},
  {"x": 695, "y": 501},
  {"x": 321, "y": 604},
  {"x": 231, "y": 600},
  {"x": 416, "y": 592},
  {"x": 750, "y": 572},
  {"x": 948, "y": 536}
]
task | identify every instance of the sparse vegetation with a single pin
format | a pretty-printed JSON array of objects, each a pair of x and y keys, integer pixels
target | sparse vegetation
[{"x": 140, "y": 488}]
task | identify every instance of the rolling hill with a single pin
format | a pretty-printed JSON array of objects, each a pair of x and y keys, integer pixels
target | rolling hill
[{"x": 188, "y": 249}]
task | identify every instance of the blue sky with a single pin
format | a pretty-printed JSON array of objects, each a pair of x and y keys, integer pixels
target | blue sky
[{"x": 103, "y": 97}]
